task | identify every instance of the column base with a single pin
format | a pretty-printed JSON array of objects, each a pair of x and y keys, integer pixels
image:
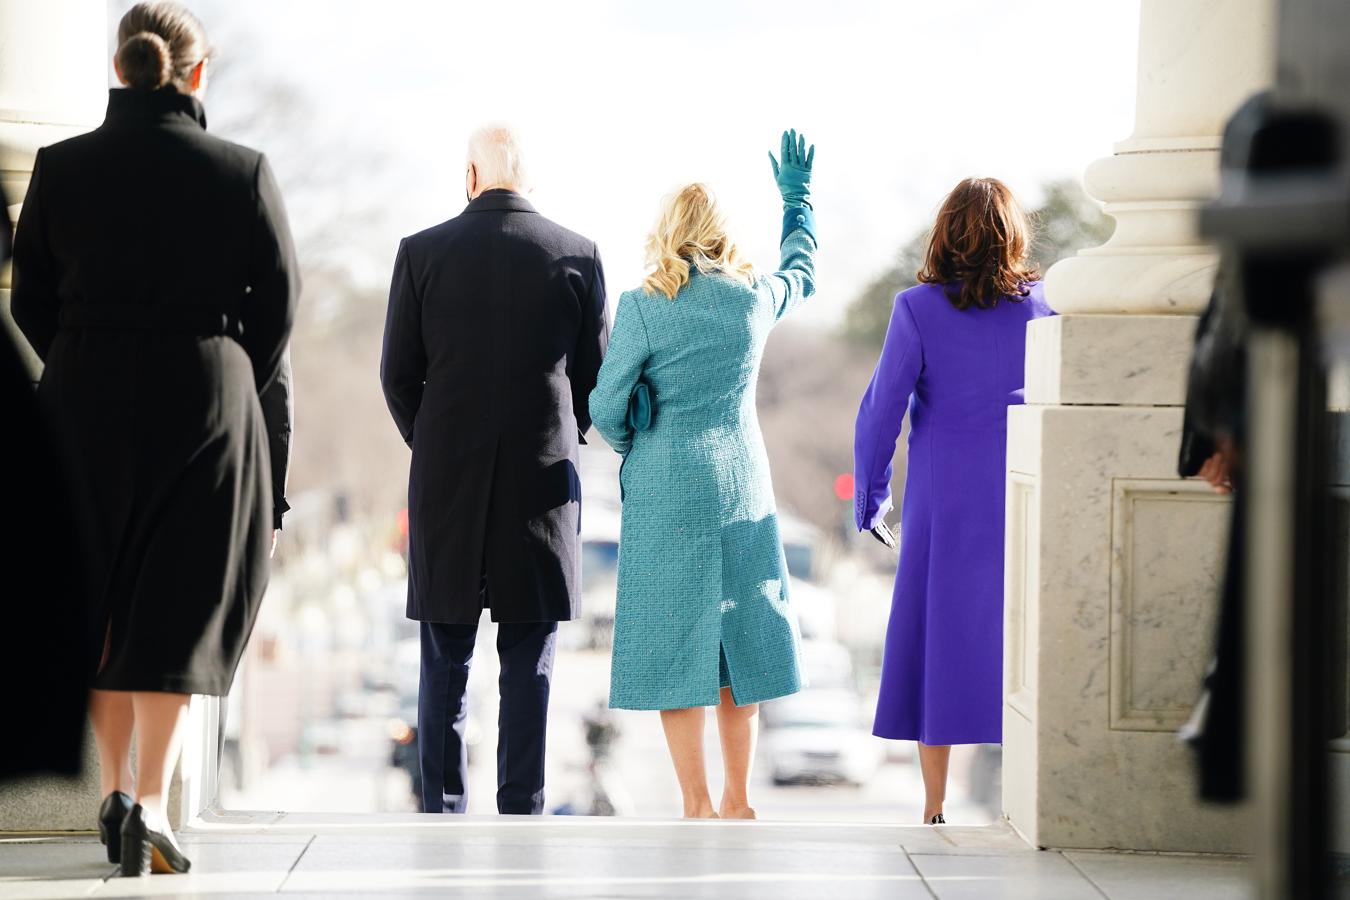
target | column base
[
  {"x": 1111, "y": 597},
  {"x": 45, "y": 803}
]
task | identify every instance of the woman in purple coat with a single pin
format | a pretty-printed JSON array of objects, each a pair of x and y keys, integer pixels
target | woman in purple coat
[{"x": 953, "y": 357}]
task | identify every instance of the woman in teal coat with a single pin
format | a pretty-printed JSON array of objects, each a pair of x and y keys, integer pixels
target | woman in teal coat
[{"x": 703, "y": 613}]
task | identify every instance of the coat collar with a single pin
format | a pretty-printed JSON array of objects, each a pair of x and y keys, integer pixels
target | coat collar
[
  {"x": 164, "y": 105},
  {"x": 498, "y": 199}
]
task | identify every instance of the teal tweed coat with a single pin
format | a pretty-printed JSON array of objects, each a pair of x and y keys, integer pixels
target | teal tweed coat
[{"x": 703, "y": 584}]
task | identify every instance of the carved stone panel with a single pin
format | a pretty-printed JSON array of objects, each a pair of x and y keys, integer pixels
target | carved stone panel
[{"x": 1168, "y": 540}]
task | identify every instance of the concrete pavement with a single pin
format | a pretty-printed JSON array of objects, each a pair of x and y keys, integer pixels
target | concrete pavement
[{"x": 256, "y": 854}]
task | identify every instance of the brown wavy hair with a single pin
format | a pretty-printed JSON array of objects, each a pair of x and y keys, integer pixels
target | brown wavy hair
[{"x": 978, "y": 248}]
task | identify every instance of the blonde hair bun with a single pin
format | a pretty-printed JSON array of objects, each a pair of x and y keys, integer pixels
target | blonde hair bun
[{"x": 145, "y": 61}]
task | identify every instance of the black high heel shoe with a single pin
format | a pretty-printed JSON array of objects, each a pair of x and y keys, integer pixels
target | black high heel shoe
[
  {"x": 939, "y": 819},
  {"x": 110, "y": 817},
  {"x": 145, "y": 850}
]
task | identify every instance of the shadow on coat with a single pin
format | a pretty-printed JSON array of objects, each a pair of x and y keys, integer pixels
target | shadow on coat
[
  {"x": 758, "y": 623},
  {"x": 536, "y": 567}
]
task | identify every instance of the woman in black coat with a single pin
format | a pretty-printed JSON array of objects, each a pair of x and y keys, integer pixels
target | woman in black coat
[{"x": 154, "y": 275}]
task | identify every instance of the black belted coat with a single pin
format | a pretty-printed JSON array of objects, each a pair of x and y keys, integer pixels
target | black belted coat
[
  {"x": 495, "y": 333},
  {"x": 155, "y": 277}
]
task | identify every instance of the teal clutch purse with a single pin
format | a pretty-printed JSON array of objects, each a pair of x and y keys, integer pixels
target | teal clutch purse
[{"x": 640, "y": 407}]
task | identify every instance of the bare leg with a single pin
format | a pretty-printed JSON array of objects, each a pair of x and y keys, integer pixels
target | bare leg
[
  {"x": 737, "y": 726},
  {"x": 933, "y": 764},
  {"x": 110, "y": 712},
  {"x": 684, "y": 736},
  {"x": 159, "y": 738}
]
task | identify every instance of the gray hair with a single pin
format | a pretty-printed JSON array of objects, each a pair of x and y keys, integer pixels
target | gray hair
[{"x": 495, "y": 151}]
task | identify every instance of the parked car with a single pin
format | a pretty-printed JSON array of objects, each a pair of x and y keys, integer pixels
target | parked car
[
  {"x": 986, "y": 778},
  {"x": 599, "y": 579},
  {"x": 821, "y": 736},
  {"x": 403, "y": 750},
  {"x": 827, "y": 667},
  {"x": 402, "y": 727}
]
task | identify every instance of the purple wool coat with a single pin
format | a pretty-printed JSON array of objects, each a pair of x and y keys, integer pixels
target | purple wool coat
[{"x": 957, "y": 372}]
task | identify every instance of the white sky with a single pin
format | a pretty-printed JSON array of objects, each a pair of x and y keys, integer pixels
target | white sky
[{"x": 622, "y": 101}]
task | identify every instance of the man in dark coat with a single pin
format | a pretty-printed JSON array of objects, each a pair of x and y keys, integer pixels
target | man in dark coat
[{"x": 495, "y": 332}]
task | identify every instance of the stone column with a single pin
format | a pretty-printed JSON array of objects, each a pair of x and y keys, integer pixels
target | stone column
[
  {"x": 53, "y": 84},
  {"x": 1113, "y": 562}
]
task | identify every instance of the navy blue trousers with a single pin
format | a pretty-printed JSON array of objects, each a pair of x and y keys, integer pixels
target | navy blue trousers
[{"x": 526, "y": 654}]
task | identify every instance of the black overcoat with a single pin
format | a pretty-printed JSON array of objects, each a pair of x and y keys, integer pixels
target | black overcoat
[
  {"x": 154, "y": 275},
  {"x": 495, "y": 333}
]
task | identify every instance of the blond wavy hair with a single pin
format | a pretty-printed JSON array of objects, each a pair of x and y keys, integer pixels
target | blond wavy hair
[{"x": 691, "y": 232}]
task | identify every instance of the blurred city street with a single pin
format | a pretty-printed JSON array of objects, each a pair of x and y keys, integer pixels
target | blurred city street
[
  {"x": 323, "y": 715},
  {"x": 323, "y": 718},
  {"x": 360, "y": 778}
]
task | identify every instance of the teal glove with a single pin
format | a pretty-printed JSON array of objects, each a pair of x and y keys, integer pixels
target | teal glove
[{"x": 794, "y": 175}]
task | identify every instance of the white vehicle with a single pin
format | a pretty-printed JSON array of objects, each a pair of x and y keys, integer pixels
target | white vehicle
[
  {"x": 800, "y": 542},
  {"x": 821, "y": 735},
  {"x": 600, "y": 524},
  {"x": 827, "y": 665}
]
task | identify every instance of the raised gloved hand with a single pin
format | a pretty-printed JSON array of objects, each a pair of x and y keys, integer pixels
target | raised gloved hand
[{"x": 794, "y": 175}]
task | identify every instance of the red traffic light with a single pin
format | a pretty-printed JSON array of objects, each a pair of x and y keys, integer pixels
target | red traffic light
[{"x": 843, "y": 486}]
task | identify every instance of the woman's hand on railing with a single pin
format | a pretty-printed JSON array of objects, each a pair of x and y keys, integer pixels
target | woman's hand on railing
[{"x": 794, "y": 173}]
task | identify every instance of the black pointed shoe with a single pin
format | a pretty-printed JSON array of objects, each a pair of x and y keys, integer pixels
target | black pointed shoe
[
  {"x": 145, "y": 850},
  {"x": 939, "y": 819},
  {"x": 110, "y": 815}
]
